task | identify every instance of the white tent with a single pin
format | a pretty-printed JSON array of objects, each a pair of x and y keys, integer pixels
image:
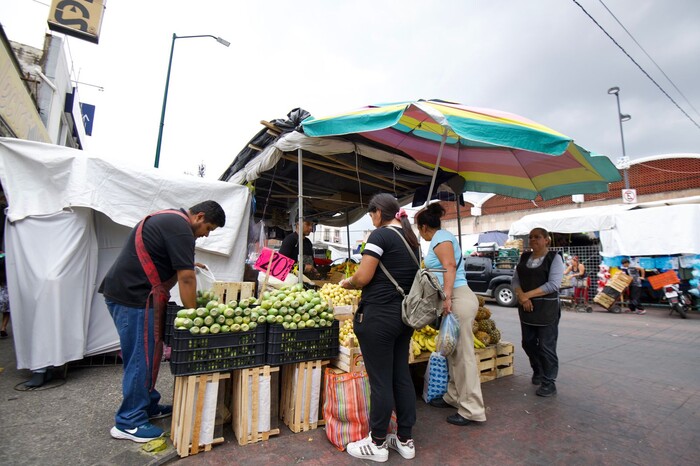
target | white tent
[
  {"x": 648, "y": 229},
  {"x": 68, "y": 217}
]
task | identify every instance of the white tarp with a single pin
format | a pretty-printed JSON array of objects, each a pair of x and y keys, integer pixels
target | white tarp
[
  {"x": 657, "y": 231},
  {"x": 655, "y": 228},
  {"x": 68, "y": 216}
]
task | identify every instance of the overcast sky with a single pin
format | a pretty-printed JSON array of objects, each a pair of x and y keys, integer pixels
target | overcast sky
[{"x": 542, "y": 59}]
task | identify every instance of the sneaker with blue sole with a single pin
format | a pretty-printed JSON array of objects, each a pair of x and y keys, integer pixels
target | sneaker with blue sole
[
  {"x": 141, "y": 434},
  {"x": 161, "y": 412}
]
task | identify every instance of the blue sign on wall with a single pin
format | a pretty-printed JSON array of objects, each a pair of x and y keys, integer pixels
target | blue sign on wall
[{"x": 88, "y": 115}]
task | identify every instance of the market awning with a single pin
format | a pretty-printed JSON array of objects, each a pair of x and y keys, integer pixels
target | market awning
[
  {"x": 664, "y": 227},
  {"x": 339, "y": 177}
]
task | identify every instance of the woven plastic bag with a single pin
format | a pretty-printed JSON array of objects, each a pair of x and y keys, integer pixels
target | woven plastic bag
[
  {"x": 346, "y": 407},
  {"x": 436, "y": 377},
  {"x": 448, "y": 336}
]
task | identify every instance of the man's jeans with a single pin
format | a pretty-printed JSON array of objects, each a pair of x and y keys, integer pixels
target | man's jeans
[{"x": 138, "y": 400}]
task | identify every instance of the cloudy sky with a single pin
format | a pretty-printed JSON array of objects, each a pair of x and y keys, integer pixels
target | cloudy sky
[{"x": 542, "y": 59}]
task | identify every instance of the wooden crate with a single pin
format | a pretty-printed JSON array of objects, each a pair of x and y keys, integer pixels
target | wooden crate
[
  {"x": 230, "y": 291},
  {"x": 349, "y": 359},
  {"x": 249, "y": 398},
  {"x": 619, "y": 281},
  {"x": 495, "y": 361},
  {"x": 193, "y": 420},
  {"x": 422, "y": 357},
  {"x": 297, "y": 401}
]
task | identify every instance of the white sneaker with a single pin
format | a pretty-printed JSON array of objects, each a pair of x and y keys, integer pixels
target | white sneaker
[
  {"x": 366, "y": 449},
  {"x": 407, "y": 450}
]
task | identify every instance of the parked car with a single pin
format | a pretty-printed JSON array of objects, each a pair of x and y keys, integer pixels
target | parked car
[{"x": 491, "y": 280}]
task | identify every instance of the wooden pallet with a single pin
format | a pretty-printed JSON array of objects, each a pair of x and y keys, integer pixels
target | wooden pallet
[
  {"x": 192, "y": 394},
  {"x": 296, "y": 398},
  {"x": 495, "y": 361},
  {"x": 248, "y": 401},
  {"x": 233, "y": 291}
]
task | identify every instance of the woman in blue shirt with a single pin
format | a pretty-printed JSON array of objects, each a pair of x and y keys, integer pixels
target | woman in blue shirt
[{"x": 464, "y": 386}]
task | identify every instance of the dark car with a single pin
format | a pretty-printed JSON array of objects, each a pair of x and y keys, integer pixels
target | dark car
[{"x": 491, "y": 280}]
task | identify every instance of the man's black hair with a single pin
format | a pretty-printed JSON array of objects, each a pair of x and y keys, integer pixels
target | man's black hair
[{"x": 213, "y": 213}]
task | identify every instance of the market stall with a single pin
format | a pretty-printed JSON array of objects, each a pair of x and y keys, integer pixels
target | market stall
[
  {"x": 659, "y": 235},
  {"x": 69, "y": 214}
]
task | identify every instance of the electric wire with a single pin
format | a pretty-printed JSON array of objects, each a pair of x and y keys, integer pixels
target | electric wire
[
  {"x": 649, "y": 57},
  {"x": 638, "y": 65}
]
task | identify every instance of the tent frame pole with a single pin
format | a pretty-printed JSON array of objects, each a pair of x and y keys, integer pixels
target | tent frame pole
[{"x": 300, "y": 221}]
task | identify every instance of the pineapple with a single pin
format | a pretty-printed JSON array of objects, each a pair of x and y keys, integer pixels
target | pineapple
[
  {"x": 495, "y": 335},
  {"x": 484, "y": 337},
  {"x": 483, "y": 313}
]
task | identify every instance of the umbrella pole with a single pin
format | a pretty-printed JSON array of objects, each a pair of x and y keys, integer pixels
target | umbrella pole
[
  {"x": 459, "y": 222},
  {"x": 300, "y": 209},
  {"x": 437, "y": 165},
  {"x": 347, "y": 229}
]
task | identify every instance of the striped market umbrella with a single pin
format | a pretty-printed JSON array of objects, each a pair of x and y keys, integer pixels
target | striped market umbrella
[{"x": 493, "y": 151}]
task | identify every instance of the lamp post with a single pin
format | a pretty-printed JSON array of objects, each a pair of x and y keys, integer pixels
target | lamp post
[
  {"x": 621, "y": 118},
  {"x": 167, "y": 83}
]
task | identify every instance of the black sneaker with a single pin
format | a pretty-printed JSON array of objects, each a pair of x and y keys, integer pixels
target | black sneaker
[
  {"x": 547, "y": 389},
  {"x": 457, "y": 420},
  {"x": 439, "y": 402}
]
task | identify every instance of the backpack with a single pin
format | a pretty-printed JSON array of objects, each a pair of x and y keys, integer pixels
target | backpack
[{"x": 423, "y": 303}]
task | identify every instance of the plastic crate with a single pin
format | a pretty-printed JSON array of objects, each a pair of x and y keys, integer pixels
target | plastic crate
[
  {"x": 309, "y": 344},
  {"x": 170, "y": 314},
  {"x": 221, "y": 352},
  {"x": 667, "y": 278}
]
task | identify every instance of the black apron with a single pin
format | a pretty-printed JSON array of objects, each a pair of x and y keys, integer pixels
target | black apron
[{"x": 546, "y": 309}]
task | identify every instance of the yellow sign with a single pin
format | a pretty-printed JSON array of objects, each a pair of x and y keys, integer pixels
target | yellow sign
[{"x": 78, "y": 18}]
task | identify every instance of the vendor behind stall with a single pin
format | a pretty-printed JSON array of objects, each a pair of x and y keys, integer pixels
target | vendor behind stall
[{"x": 290, "y": 247}]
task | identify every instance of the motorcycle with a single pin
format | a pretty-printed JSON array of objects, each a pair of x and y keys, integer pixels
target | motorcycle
[{"x": 679, "y": 302}]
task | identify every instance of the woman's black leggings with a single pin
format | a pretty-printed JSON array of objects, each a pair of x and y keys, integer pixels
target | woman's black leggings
[{"x": 384, "y": 340}]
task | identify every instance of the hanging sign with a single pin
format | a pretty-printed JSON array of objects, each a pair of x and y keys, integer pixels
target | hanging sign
[
  {"x": 77, "y": 18},
  {"x": 277, "y": 264}
]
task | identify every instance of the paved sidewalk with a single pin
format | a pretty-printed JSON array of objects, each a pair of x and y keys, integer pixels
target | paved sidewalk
[{"x": 629, "y": 393}]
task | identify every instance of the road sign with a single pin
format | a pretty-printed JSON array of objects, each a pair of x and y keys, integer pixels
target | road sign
[{"x": 629, "y": 196}]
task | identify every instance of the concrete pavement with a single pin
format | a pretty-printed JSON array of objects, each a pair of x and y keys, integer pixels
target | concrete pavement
[{"x": 628, "y": 393}]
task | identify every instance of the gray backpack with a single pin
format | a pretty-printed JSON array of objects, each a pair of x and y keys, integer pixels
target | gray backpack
[{"x": 423, "y": 303}]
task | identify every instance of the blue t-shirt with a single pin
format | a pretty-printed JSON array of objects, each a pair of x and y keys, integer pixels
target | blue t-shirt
[{"x": 432, "y": 261}]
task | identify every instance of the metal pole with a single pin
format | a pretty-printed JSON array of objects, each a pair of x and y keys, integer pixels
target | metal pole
[
  {"x": 167, "y": 84},
  {"x": 165, "y": 102},
  {"x": 622, "y": 138},
  {"x": 347, "y": 228},
  {"x": 300, "y": 230},
  {"x": 459, "y": 222},
  {"x": 437, "y": 166}
]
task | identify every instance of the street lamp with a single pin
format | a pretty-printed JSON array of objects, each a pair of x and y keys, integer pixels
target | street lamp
[
  {"x": 621, "y": 117},
  {"x": 167, "y": 83}
]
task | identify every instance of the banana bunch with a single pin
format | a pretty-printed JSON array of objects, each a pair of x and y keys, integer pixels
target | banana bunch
[
  {"x": 347, "y": 334},
  {"x": 425, "y": 338},
  {"x": 478, "y": 343},
  {"x": 348, "y": 268}
]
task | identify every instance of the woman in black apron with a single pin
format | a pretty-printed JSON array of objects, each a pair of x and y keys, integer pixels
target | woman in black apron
[{"x": 536, "y": 283}]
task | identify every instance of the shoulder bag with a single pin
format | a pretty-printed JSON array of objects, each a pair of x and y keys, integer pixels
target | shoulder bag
[{"x": 423, "y": 303}]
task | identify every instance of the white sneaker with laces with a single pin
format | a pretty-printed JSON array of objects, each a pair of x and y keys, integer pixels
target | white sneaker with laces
[
  {"x": 406, "y": 449},
  {"x": 366, "y": 449}
]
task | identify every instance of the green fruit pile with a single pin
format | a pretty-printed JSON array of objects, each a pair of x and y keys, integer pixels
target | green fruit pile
[
  {"x": 295, "y": 308},
  {"x": 291, "y": 306}
]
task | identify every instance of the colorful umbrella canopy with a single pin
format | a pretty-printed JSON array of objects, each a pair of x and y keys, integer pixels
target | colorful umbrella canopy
[{"x": 493, "y": 151}]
